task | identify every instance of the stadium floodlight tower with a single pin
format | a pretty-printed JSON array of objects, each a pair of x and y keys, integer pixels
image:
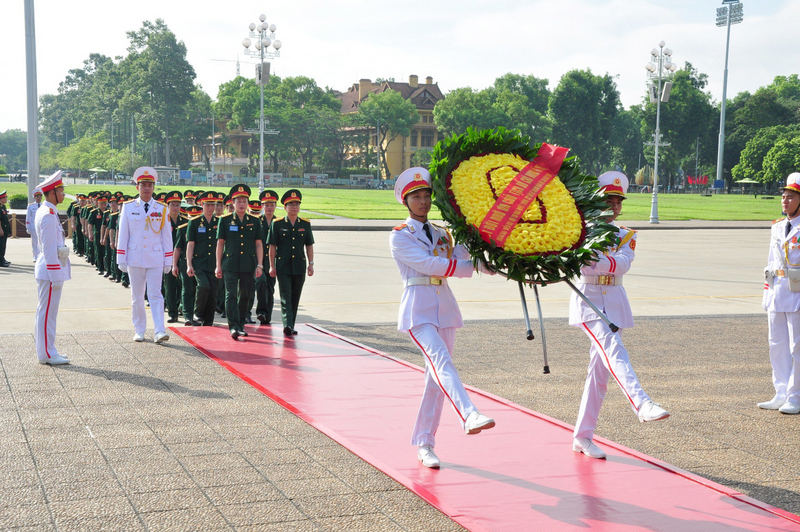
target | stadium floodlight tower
[{"x": 731, "y": 12}]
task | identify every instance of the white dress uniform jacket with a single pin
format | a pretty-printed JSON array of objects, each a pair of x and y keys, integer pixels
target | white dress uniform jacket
[
  {"x": 416, "y": 256},
  {"x": 30, "y": 227},
  {"x": 612, "y": 299},
  {"x": 144, "y": 239},
  {"x": 777, "y": 296},
  {"x": 51, "y": 237}
]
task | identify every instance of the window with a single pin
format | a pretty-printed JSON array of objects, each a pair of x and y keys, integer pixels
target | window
[
  {"x": 413, "y": 138},
  {"x": 427, "y": 140}
]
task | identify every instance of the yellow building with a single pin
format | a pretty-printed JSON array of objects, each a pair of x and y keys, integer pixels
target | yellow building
[
  {"x": 232, "y": 149},
  {"x": 424, "y": 135}
]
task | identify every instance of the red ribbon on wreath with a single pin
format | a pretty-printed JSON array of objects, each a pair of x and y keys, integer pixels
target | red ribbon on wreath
[{"x": 520, "y": 193}]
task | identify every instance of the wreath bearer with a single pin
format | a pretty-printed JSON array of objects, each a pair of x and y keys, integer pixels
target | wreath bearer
[
  {"x": 601, "y": 283},
  {"x": 429, "y": 313}
]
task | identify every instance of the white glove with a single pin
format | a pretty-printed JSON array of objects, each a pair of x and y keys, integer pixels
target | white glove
[
  {"x": 57, "y": 284},
  {"x": 168, "y": 268},
  {"x": 483, "y": 269},
  {"x": 123, "y": 267}
]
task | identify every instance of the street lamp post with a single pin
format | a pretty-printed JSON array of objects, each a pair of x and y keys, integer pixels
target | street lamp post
[
  {"x": 264, "y": 35},
  {"x": 732, "y": 12},
  {"x": 660, "y": 66}
]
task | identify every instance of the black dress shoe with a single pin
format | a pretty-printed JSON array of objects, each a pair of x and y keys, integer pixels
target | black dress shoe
[
  {"x": 262, "y": 319},
  {"x": 106, "y": 274},
  {"x": 248, "y": 320},
  {"x": 287, "y": 331},
  {"x": 125, "y": 285},
  {"x": 172, "y": 320},
  {"x": 100, "y": 273},
  {"x": 118, "y": 281},
  {"x": 294, "y": 332},
  {"x": 223, "y": 315},
  {"x": 243, "y": 333},
  {"x": 234, "y": 334},
  {"x": 3, "y": 265}
]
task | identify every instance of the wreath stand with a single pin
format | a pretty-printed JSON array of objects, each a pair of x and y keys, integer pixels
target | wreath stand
[{"x": 529, "y": 333}]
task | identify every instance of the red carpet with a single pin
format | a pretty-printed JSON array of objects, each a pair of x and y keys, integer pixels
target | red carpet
[{"x": 521, "y": 475}]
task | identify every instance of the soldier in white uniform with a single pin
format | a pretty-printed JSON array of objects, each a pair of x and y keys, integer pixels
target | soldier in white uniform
[
  {"x": 30, "y": 218},
  {"x": 601, "y": 283},
  {"x": 144, "y": 250},
  {"x": 51, "y": 270},
  {"x": 427, "y": 256},
  {"x": 782, "y": 302}
]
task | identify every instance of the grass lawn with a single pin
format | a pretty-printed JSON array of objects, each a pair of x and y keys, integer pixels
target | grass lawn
[
  {"x": 697, "y": 207},
  {"x": 381, "y": 205}
]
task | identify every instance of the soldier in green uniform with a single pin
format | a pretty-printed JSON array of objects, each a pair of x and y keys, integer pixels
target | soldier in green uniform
[
  {"x": 86, "y": 229},
  {"x": 189, "y": 196},
  {"x": 172, "y": 283},
  {"x": 220, "y": 205},
  {"x": 5, "y": 229},
  {"x": 104, "y": 239},
  {"x": 201, "y": 253},
  {"x": 254, "y": 209},
  {"x": 240, "y": 253},
  {"x": 265, "y": 285},
  {"x": 96, "y": 226},
  {"x": 180, "y": 266},
  {"x": 71, "y": 218},
  {"x": 287, "y": 259},
  {"x": 113, "y": 223},
  {"x": 227, "y": 207}
]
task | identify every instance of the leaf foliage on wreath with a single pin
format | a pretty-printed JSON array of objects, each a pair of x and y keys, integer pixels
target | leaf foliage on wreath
[{"x": 540, "y": 269}]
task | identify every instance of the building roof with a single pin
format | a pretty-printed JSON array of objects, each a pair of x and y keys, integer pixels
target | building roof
[{"x": 424, "y": 95}]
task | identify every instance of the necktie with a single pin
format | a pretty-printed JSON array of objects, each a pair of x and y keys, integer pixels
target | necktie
[
  {"x": 788, "y": 227},
  {"x": 427, "y": 229},
  {"x": 146, "y": 207}
]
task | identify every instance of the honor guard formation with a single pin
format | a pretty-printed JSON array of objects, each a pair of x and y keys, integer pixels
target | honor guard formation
[
  {"x": 204, "y": 252},
  {"x": 194, "y": 254}
]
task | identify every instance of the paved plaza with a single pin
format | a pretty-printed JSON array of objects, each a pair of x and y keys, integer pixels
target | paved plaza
[{"x": 146, "y": 437}]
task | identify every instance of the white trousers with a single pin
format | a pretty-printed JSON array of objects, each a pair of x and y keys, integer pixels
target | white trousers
[
  {"x": 441, "y": 382},
  {"x": 45, "y": 323},
  {"x": 784, "y": 354},
  {"x": 607, "y": 358},
  {"x": 149, "y": 278},
  {"x": 35, "y": 245}
]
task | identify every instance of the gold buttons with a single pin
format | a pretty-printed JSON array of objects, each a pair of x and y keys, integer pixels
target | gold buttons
[{"x": 604, "y": 292}]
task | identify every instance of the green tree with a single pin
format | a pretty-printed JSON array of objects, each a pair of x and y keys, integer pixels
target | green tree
[
  {"x": 161, "y": 83},
  {"x": 751, "y": 160},
  {"x": 626, "y": 141},
  {"x": 782, "y": 159},
  {"x": 582, "y": 109},
  {"x": 768, "y": 106},
  {"x": 392, "y": 114},
  {"x": 514, "y": 102},
  {"x": 14, "y": 146}
]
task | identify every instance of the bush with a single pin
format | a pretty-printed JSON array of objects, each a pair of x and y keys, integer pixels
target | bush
[{"x": 18, "y": 201}]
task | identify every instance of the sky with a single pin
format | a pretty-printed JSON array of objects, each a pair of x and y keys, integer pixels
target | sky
[{"x": 457, "y": 42}]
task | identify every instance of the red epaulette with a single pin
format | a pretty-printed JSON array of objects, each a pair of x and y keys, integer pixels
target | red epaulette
[
  {"x": 778, "y": 220},
  {"x": 400, "y": 227},
  {"x": 51, "y": 211}
]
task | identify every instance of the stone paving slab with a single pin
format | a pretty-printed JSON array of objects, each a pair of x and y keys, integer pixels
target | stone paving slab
[{"x": 145, "y": 437}]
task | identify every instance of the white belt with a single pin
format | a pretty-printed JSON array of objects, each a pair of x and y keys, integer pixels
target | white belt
[
  {"x": 424, "y": 281},
  {"x": 607, "y": 280}
]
